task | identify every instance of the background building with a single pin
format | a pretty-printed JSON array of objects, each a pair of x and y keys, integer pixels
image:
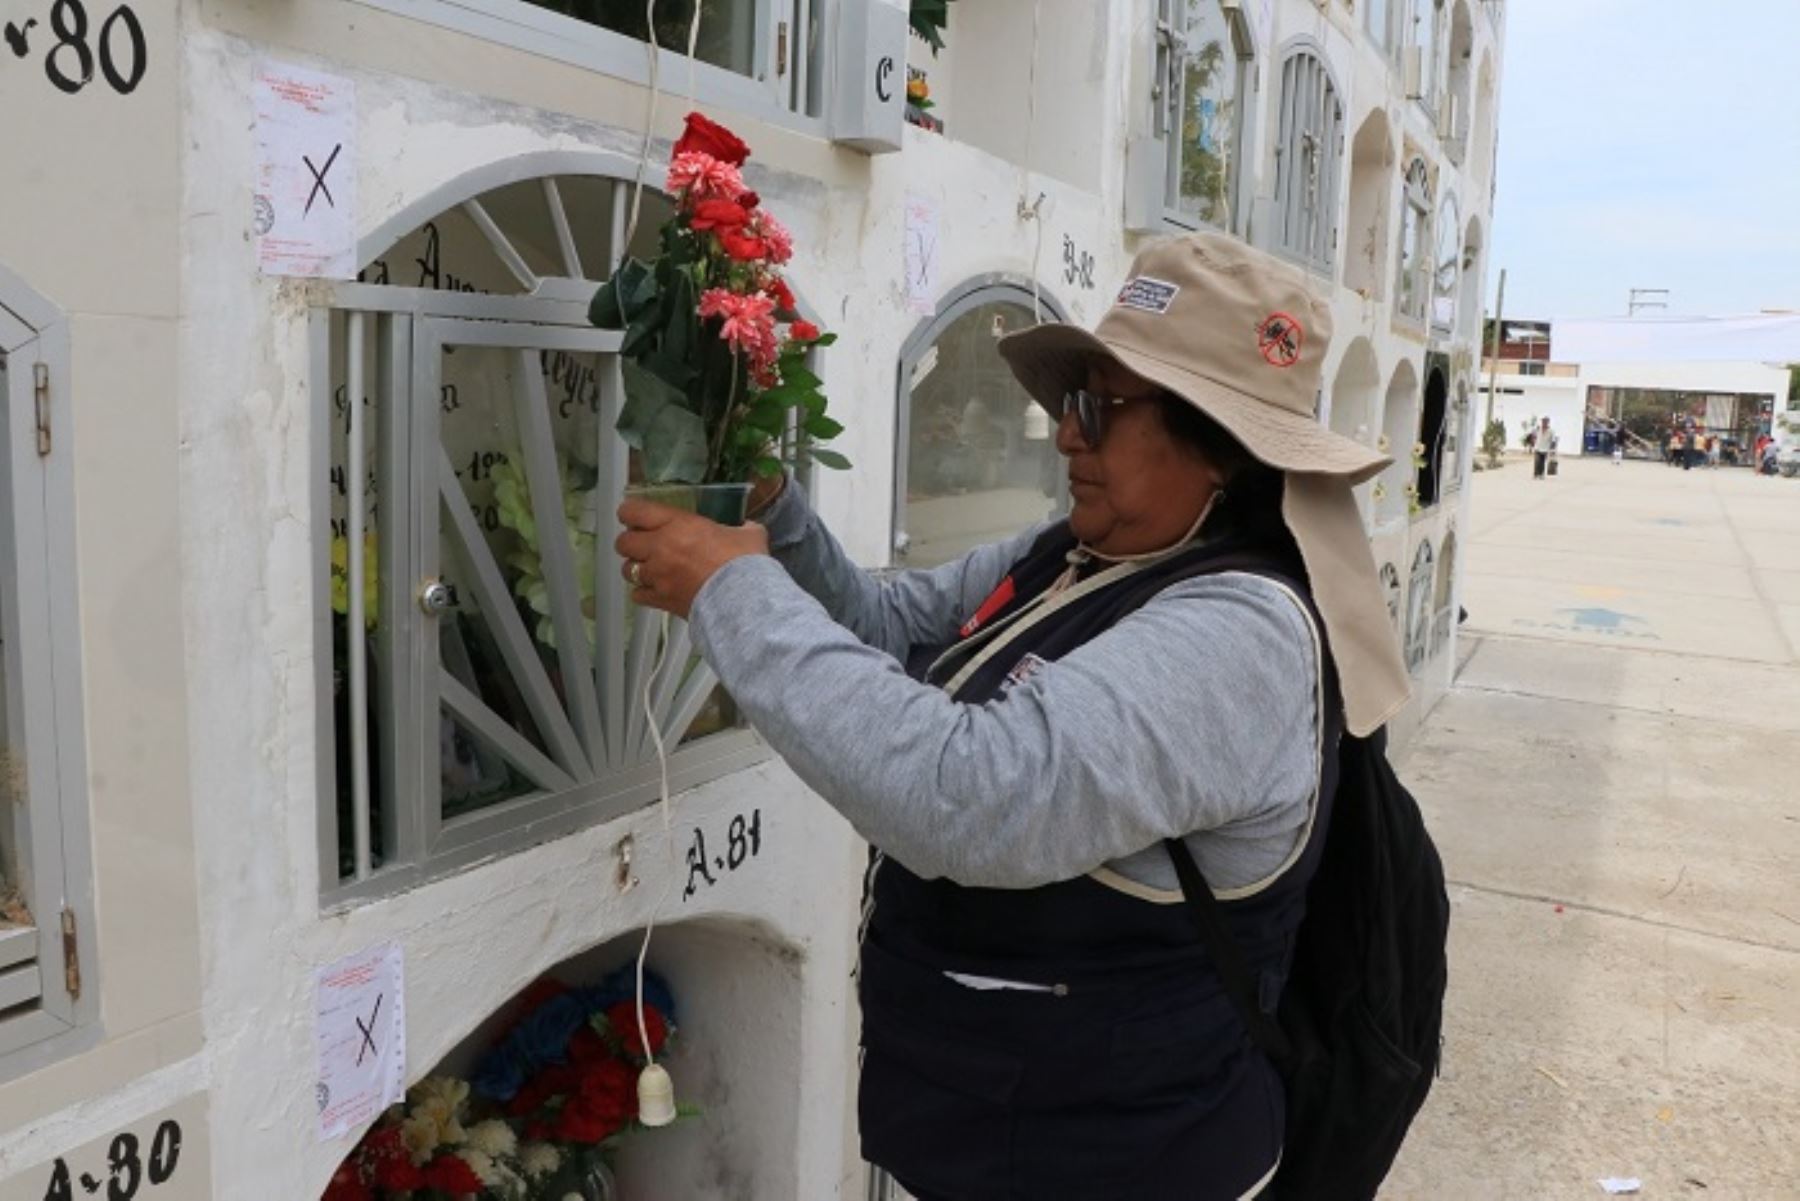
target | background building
[
  {"x": 188, "y": 435},
  {"x": 1646, "y": 375}
]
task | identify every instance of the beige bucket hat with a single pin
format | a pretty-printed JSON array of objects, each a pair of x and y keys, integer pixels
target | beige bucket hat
[{"x": 1242, "y": 337}]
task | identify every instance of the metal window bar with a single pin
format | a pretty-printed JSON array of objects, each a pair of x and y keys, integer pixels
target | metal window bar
[
  {"x": 503, "y": 248},
  {"x": 565, "y": 235},
  {"x": 356, "y": 474}
]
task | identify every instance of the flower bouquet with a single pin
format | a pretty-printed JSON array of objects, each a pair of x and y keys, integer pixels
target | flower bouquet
[
  {"x": 540, "y": 1119},
  {"x": 714, "y": 354}
]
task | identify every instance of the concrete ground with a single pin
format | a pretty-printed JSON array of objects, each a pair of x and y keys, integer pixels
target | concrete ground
[{"x": 1614, "y": 788}]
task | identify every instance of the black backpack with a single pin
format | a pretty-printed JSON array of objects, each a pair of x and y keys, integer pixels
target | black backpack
[{"x": 1358, "y": 1031}]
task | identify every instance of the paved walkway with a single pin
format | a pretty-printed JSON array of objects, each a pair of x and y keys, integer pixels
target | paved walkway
[{"x": 1615, "y": 786}]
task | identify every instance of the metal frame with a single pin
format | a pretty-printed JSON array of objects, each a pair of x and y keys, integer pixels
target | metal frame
[
  {"x": 1309, "y": 104},
  {"x": 1417, "y": 170},
  {"x": 1446, "y": 207},
  {"x": 971, "y": 294},
  {"x": 597, "y": 762},
  {"x": 765, "y": 93},
  {"x": 1171, "y": 40},
  {"x": 44, "y": 711}
]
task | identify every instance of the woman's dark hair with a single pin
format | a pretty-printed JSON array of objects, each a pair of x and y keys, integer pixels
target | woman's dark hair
[{"x": 1253, "y": 489}]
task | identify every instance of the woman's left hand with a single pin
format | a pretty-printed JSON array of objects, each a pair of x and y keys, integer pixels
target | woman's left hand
[{"x": 669, "y": 554}]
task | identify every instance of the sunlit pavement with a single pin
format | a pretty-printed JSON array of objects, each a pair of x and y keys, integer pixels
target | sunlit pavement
[{"x": 1615, "y": 786}]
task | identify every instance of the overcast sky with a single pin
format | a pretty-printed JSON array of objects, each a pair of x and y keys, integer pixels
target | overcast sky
[{"x": 1649, "y": 143}]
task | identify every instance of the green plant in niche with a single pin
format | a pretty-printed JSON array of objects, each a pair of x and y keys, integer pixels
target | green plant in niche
[{"x": 928, "y": 18}]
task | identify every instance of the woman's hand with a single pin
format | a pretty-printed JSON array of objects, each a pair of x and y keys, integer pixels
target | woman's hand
[{"x": 669, "y": 555}]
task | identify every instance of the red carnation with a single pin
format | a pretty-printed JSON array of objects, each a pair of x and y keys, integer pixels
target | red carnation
[
  {"x": 742, "y": 247},
  {"x": 587, "y": 1047},
  {"x": 605, "y": 1105},
  {"x": 784, "y": 299},
  {"x": 804, "y": 331},
  {"x": 398, "y": 1173},
  {"x": 452, "y": 1174},
  {"x": 623, "y": 1019},
  {"x": 722, "y": 215},
  {"x": 749, "y": 199},
  {"x": 558, "y": 1080},
  {"x": 709, "y": 137}
]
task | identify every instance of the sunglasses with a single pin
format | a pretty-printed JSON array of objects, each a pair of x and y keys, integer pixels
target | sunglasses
[{"x": 1089, "y": 408}]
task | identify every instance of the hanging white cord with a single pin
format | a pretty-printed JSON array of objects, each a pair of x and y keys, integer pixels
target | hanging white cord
[{"x": 656, "y": 1092}]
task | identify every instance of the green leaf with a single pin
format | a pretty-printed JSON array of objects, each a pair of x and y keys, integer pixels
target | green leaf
[
  {"x": 798, "y": 376},
  {"x": 768, "y": 466},
  {"x": 657, "y": 422},
  {"x": 621, "y": 298},
  {"x": 830, "y": 458},
  {"x": 825, "y": 340},
  {"x": 823, "y": 428}
]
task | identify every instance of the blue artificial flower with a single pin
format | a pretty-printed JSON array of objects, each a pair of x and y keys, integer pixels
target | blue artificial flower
[
  {"x": 500, "y": 1075},
  {"x": 543, "y": 1037},
  {"x": 622, "y": 986}
]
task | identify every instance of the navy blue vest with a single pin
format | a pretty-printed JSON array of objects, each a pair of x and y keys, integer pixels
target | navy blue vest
[{"x": 1122, "y": 1070}]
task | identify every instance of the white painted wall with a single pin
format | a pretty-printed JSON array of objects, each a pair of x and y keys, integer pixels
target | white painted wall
[
  {"x": 1522, "y": 398},
  {"x": 220, "y": 393}
]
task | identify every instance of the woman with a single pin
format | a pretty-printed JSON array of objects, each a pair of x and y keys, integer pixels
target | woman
[{"x": 1038, "y": 1017}]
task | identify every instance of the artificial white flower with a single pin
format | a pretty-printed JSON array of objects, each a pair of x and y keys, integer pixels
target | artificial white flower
[
  {"x": 494, "y": 1138},
  {"x": 419, "y": 1135},
  {"x": 451, "y": 1091},
  {"x": 539, "y": 1160},
  {"x": 482, "y": 1165}
]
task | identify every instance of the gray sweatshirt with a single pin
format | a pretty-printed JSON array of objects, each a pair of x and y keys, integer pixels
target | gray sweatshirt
[{"x": 1197, "y": 715}]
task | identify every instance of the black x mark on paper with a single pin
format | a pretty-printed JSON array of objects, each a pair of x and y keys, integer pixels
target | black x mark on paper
[
  {"x": 367, "y": 1046},
  {"x": 319, "y": 174}
]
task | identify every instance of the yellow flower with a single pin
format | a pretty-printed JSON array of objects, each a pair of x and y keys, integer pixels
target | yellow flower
[
  {"x": 340, "y": 578},
  {"x": 419, "y": 1135}
]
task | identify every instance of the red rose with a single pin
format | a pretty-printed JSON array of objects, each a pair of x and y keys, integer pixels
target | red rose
[
  {"x": 720, "y": 215},
  {"x": 452, "y": 1174},
  {"x": 623, "y": 1019},
  {"x": 398, "y": 1174},
  {"x": 742, "y": 247},
  {"x": 749, "y": 199},
  {"x": 784, "y": 299},
  {"x": 709, "y": 137},
  {"x": 803, "y": 331}
]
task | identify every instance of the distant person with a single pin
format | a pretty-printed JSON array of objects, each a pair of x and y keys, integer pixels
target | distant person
[
  {"x": 1618, "y": 441},
  {"x": 1542, "y": 441},
  {"x": 1676, "y": 450}
]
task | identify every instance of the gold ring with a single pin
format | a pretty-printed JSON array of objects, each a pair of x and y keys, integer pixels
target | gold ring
[{"x": 635, "y": 573}]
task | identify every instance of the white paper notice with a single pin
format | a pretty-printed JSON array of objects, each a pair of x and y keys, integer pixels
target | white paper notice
[
  {"x": 362, "y": 1039},
  {"x": 305, "y": 202},
  {"x": 921, "y": 255}
]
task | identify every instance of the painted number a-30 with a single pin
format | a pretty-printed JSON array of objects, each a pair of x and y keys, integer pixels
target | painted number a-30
[{"x": 128, "y": 1170}]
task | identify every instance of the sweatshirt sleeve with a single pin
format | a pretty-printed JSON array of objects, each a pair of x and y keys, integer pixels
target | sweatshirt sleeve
[
  {"x": 893, "y": 612},
  {"x": 1197, "y": 712}
]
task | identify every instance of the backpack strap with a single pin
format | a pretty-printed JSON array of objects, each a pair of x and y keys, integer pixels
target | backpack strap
[{"x": 1227, "y": 956}]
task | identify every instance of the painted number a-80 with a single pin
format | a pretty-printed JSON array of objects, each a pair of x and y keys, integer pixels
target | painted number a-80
[
  {"x": 119, "y": 48},
  {"x": 127, "y": 1169}
]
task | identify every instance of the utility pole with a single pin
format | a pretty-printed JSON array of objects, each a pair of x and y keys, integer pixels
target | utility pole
[
  {"x": 1494, "y": 351},
  {"x": 1633, "y": 304}
]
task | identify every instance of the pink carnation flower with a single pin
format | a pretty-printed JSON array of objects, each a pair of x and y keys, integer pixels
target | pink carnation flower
[
  {"x": 749, "y": 324},
  {"x": 700, "y": 176},
  {"x": 775, "y": 235}
]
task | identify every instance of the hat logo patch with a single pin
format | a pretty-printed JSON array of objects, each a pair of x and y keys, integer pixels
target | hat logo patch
[
  {"x": 1280, "y": 338},
  {"x": 1148, "y": 295}
]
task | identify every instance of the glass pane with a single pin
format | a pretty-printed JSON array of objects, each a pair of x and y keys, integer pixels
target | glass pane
[
  {"x": 1412, "y": 301},
  {"x": 345, "y": 492},
  {"x": 1376, "y": 14},
  {"x": 982, "y": 461},
  {"x": 727, "y": 27},
  {"x": 475, "y": 775},
  {"x": 1206, "y": 142},
  {"x": 1449, "y": 260}
]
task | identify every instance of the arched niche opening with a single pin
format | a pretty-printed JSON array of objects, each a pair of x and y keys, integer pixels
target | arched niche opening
[
  {"x": 483, "y": 458},
  {"x": 977, "y": 457},
  {"x": 1421, "y": 588},
  {"x": 735, "y": 1059},
  {"x": 1399, "y": 425},
  {"x": 1445, "y": 617},
  {"x": 1469, "y": 308},
  {"x": 1432, "y": 426},
  {"x": 1356, "y": 399},
  {"x": 1482, "y": 136},
  {"x": 1459, "y": 75},
  {"x": 1371, "y": 187}
]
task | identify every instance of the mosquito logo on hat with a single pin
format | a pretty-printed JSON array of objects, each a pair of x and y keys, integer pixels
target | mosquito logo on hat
[{"x": 1280, "y": 337}]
